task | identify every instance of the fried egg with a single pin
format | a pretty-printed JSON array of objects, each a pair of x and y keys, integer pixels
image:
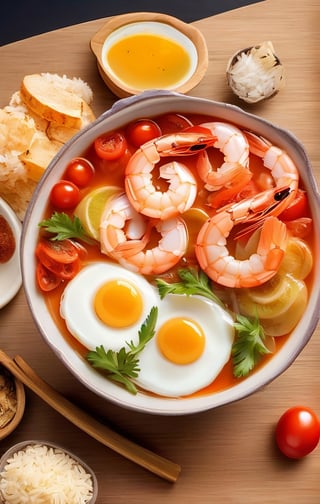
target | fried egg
[
  {"x": 105, "y": 304},
  {"x": 192, "y": 344}
]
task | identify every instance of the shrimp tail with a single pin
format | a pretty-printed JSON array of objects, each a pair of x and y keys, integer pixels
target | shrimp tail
[{"x": 273, "y": 242}]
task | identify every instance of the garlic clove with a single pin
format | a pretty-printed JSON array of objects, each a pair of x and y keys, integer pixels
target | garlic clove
[{"x": 255, "y": 73}]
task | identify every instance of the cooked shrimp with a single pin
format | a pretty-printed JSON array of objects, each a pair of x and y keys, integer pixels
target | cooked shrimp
[
  {"x": 211, "y": 247},
  {"x": 182, "y": 189},
  {"x": 121, "y": 226},
  {"x": 125, "y": 235},
  {"x": 233, "y": 144},
  {"x": 282, "y": 168}
]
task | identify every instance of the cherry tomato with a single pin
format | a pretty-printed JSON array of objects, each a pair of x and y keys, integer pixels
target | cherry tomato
[
  {"x": 59, "y": 257},
  {"x": 300, "y": 227},
  {"x": 172, "y": 123},
  {"x": 64, "y": 195},
  {"x": 297, "y": 432},
  {"x": 110, "y": 146},
  {"x": 80, "y": 171},
  {"x": 62, "y": 251},
  {"x": 47, "y": 281},
  {"x": 297, "y": 208},
  {"x": 142, "y": 131}
]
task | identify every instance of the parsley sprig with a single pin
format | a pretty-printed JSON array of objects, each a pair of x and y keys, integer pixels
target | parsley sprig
[
  {"x": 63, "y": 227},
  {"x": 123, "y": 365},
  {"x": 248, "y": 346},
  {"x": 193, "y": 282}
]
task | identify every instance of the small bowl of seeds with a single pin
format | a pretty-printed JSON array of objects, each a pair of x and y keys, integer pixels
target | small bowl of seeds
[{"x": 12, "y": 402}]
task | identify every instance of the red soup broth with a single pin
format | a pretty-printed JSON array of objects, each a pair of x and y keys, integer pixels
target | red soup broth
[{"x": 112, "y": 173}]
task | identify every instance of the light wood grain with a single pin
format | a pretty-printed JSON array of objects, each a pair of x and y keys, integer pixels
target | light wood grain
[{"x": 227, "y": 455}]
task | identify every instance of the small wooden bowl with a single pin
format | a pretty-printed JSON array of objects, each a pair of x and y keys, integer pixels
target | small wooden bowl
[
  {"x": 21, "y": 401},
  {"x": 193, "y": 36}
]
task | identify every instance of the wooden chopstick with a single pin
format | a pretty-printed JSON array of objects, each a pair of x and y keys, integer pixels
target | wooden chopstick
[{"x": 154, "y": 463}]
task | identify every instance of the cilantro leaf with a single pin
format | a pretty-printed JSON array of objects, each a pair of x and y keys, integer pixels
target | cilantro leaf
[
  {"x": 248, "y": 346},
  {"x": 192, "y": 282},
  {"x": 63, "y": 227},
  {"x": 124, "y": 365},
  {"x": 146, "y": 332}
]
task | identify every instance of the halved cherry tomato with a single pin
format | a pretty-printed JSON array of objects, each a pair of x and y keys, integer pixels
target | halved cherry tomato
[
  {"x": 300, "y": 227},
  {"x": 297, "y": 432},
  {"x": 65, "y": 271},
  {"x": 64, "y": 195},
  {"x": 173, "y": 123},
  {"x": 60, "y": 258},
  {"x": 80, "y": 171},
  {"x": 47, "y": 281},
  {"x": 110, "y": 146},
  {"x": 62, "y": 251},
  {"x": 297, "y": 208},
  {"x": 142, "y": 131}
]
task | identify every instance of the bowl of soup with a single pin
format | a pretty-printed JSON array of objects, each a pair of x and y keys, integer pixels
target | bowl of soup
[
  {"x": 142, "y": 51},
  {"x": 191, "y": 227}
]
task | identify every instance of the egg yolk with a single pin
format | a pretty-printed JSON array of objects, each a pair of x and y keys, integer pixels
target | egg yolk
[
  {"x": 118, "y": 303},
  {"x": 181, "y": 340}
]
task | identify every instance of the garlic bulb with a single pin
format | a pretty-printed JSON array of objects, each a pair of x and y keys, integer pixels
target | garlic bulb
[{"x": 255, "y": 73}]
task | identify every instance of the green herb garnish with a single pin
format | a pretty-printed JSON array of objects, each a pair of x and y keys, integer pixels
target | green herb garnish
[
  {"x": 123, "y": 365},
  {"x": 249, "y": 345},
  {"x": 63, "y": 227},
  {"x": 193, "y": 282}
]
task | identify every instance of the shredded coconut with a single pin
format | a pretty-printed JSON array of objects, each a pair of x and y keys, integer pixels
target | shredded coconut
[{"x": 40, "y": 474}]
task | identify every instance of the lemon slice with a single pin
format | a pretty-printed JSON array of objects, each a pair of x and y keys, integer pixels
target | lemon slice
[
  {"x": 90, "y": 208},
  {"x": 194, "y": 219}
]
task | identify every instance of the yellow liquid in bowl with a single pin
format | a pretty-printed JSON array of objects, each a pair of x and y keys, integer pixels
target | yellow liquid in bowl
[{"x": 147, "y": 61}]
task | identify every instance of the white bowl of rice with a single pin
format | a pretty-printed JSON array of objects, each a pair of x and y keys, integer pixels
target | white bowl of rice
[{"x": 40, "y": 471}]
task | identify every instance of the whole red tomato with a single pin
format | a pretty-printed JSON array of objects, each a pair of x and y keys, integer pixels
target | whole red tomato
[
  {"x": 142, "y": 131},
  {"x": 297, "y": 432},
  {"x": 64, "y": 195},
  {"x": 80, "y": 171}
]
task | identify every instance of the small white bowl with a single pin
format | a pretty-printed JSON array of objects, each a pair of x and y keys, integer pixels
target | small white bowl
[
  {"x": 24, "y": 444},
  {"x": 162, "y": 25},
  {"x": 10, "y": 272},
  {"x": 151, "y": 104}
]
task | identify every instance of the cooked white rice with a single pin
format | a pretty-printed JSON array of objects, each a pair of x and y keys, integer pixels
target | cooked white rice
[
  {"x": 74, "y": 85},
  {"x": 40, "y": 474}
]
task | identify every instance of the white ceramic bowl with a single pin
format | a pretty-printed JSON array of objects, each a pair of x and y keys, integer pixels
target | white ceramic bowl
[
  {"x": 124, "y": 111},
  {"x": 10, "y": 271},
  {"x": 24, "y": 444}
]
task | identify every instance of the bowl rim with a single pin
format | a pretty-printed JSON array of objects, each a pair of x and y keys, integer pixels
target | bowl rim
[
  {"x": 116, "y": 22},
  {"x": 118, "y": 115}
]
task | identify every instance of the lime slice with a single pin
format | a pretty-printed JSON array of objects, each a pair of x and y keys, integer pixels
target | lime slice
[{"x": 90, "y": 208}]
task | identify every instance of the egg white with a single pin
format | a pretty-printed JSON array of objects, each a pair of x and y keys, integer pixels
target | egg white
[
  {"x": 159, "y": 375},
  {"x": 77, "y": 306}
]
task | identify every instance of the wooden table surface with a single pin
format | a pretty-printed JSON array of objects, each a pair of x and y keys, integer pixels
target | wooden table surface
[{"x": 227, "y": 455}]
